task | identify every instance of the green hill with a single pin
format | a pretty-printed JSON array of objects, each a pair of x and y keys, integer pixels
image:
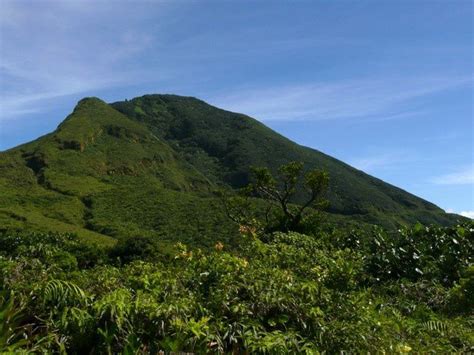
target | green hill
[{"x": 149, "y": 166}]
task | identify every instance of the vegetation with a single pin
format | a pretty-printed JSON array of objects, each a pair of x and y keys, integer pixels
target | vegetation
[
  {"x": 276, "y": 210},
  {"x": 149, "y": 166},
  {"x": 292, "y": 293},
  {"x": 114, "y": 240}
]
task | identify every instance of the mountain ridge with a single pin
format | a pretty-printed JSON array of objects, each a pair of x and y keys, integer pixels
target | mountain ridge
[{"x": 149, "y": 165}]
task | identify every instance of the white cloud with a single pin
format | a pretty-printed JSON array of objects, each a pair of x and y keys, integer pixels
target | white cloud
[
  {"x": 372, "y": 99},
  {"x": 468, "y": 214},
  {"x": 462, "y": 177}
]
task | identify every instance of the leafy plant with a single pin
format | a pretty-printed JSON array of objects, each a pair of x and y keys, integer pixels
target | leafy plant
[{"x": 11, "y": 317}]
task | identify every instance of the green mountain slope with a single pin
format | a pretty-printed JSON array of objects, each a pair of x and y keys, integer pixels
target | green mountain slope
[
  {"x": 223, "y": 145},
  {"x": 102, "y": 174},
  {"x": 149, "y": 166}
]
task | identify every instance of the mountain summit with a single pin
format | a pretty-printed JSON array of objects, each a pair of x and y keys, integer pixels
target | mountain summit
[{"x": 150, "y": 165}]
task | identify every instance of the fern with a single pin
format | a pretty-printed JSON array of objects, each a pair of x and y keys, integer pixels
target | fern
[
  {"x": 64, "y": 293},
  {"x": 10, "y": 319},
  {"x": 436, "y": 325}
]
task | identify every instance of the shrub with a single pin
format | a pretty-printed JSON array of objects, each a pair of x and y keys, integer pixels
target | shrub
[{"x": 136, "y": 248}]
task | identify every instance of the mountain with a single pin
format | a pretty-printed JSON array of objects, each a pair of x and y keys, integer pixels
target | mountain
[{"x": 150, "y": 166}]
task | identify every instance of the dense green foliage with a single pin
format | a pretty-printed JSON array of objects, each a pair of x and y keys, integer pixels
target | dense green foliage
[
  {"x": 114, "y": 238},
  {"x": 278, "y": 293},
  {"x": 149, "y": 166}
]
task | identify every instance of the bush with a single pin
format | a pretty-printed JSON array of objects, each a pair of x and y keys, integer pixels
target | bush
[
  {"x": 461, "y": 296},
  {"x": 433, "y": 253},
  {"x": 136, "y": 248}
]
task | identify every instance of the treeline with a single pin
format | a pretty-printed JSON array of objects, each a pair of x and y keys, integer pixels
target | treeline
[{"x": 354, "y": 291}]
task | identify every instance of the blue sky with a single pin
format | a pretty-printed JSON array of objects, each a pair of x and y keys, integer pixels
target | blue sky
[{"x": 386, "y": 86}]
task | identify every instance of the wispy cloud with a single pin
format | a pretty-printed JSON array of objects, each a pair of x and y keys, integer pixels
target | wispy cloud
[
  {"x": 249, "y": 42},
  {"x": 446, "y": 137},
  {"x": 385, "y": 161},
  {"x": 51, "y": 49},
  {"x": 374, "y": 162},
  {"x": 462, "y": 177},
  {"x": 367, "y": 99}
]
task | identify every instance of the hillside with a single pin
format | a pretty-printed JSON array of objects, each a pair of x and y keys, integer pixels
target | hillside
[
  {"x": 223, "y": 145},
  {"x": 150, "y": 165}
]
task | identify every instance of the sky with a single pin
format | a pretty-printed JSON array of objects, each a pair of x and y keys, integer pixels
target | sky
[{"x": 386, "y": 86}]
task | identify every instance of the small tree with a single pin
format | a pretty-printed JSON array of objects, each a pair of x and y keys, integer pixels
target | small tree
[{"x": 279, "y": 210}]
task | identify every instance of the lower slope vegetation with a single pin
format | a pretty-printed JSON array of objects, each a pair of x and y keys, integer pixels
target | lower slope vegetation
[{"x": 278, "y": 293}]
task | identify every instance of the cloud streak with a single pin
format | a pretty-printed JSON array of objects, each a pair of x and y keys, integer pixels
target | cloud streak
[
  {"x": 367, "y": 99},
  {"x": 462, "y": 177},
  {"x": 375, "y": 162}
]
